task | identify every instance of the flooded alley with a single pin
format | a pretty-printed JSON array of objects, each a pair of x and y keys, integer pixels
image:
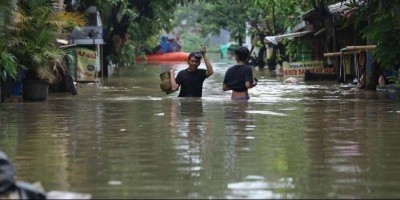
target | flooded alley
[{"x": 128, "y": 139}]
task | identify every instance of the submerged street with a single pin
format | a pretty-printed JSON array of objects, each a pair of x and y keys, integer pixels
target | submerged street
[{"x": 128, "y": 139}]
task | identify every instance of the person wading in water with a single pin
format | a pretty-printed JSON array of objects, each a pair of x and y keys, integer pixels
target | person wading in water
[
  {"x": 239, "y": 78},
  {"x": 191, "y": 79}
]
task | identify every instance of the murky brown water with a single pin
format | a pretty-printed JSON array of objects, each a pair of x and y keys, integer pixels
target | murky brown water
[{"x": 127, "y": 139}]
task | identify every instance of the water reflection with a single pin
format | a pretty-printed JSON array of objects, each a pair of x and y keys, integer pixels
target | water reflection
[
  {"x": 191, "y": 131},
  {"x": 239, "y": 125},
  {"x": 256, "y": 187}
]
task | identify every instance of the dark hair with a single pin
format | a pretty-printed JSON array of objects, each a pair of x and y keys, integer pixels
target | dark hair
[
  {"x": 242, "y": 53},
  {"x": 197, "y": 55}
]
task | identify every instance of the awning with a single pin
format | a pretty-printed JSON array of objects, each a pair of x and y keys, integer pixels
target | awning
[
  {"x": 275, "y": 39},
  {"x": 340, "y": 8}
]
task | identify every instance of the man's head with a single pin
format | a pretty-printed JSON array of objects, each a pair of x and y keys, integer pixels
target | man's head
[
  {"x": 194, "y": 60},
  {"x": 197, "y": 55},
  {"x": 242, "y": 53}
]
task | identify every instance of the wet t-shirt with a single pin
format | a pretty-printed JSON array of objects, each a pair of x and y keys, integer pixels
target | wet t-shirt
[
  {"x": 191, "y": 82},
  {"x": 236, "y": 77}
]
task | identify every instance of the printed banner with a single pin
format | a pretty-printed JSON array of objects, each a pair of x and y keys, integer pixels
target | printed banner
[
  {"x": 86, "y": 64},
  {"x": 299, "y": 68}
]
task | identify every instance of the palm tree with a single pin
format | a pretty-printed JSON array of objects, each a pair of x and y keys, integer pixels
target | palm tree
[
  {"x": 37, "y": 26},
  {"x": 8, "y": 61}
]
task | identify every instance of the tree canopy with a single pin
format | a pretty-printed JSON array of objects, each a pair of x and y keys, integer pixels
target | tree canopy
[
  {"x": 383, "y": 17},
  {"x": 132, "y": 27}
]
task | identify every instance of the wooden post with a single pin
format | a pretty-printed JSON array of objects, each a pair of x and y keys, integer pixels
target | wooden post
[
  {"x": 1, "y": 97},
  {"x": 101, "y": 64},
  {"x": 370, "y": 72}
]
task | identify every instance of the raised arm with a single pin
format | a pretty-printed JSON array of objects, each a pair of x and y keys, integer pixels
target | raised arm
[
  {"x": 209, "y": 67},
  {"x": 174, "y": 85}
]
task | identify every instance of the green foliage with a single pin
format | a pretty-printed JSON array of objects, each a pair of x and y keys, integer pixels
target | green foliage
[
  {"x": 145, "y": 20},
  {"x": 383, "y": 28},
  {"x": 138, "y": 23},
  {"x": 282, "y": 13},
  {"x": 231, "y": 15},
  {"x": 266, "y": 17},
  {"x": 186, "y": 16},
  {"x": 8, "y": 61},
  {"x": 33, "y": 35},
  {"x": 387, "y": 37},
  {"x": 192, "y": 42},
  {"x": 383, "y": 17},
  {"x": 292, "y": 47},
  {"x": 8, "y": 65}
]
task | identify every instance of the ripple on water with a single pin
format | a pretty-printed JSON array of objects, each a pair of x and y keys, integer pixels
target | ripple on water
[
  {"x": 265, "y": 112},
  {"x": 257, "y": 187}
]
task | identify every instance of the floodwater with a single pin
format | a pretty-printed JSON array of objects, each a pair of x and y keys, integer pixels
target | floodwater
[{"x": 127, "y": 139}]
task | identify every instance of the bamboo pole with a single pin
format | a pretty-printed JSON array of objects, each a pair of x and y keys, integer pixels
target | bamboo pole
[
  {"x": 366, "y": 47},
  {"x": 339, "y": 53},
  {"x": 350, "y": 50}
]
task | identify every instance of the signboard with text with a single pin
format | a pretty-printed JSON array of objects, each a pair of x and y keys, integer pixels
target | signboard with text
[
  {"x": 86, "y": 64},
  {"x": 299, "y": 68}
]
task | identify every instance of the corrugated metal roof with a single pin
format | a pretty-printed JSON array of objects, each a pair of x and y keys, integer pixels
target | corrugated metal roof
[
  {"x": 339, "y": 7},
  {"x": 275, "y": 39}
]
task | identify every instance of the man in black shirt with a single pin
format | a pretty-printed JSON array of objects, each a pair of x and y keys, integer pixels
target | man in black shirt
[
  {"x": 239, "y": 78},
  {"x": 191, "y": 79}
]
